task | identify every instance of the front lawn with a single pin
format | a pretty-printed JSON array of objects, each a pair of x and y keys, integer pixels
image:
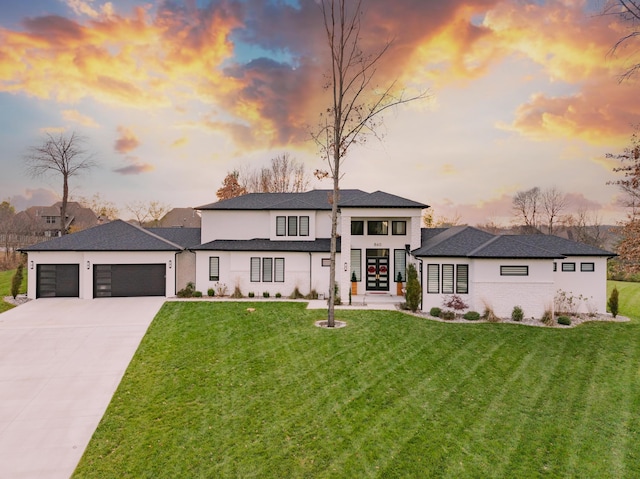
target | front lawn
[
  {"x": 217, "y": 391},
  {"x": 5, "y": 287}
]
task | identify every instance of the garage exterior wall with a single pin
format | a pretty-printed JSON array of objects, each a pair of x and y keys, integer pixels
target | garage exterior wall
[{"x": 86, "y": 260}]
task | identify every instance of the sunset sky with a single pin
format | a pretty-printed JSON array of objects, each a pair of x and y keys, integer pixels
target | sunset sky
[{"x": 171, "y": 95}]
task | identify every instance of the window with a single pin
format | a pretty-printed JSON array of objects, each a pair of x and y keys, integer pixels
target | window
[
  {"x": 357, "y": 227},
  {"x": 356, "y": 264},
  {"x": 255, "y": 270},
  {"x": 555, "y": 266},
  {"x": 399, "y": 227},
  {"x": 267, "y": 270},
  {"x": 447, "y": 279},
  {"x": 587, "y": 267},
  {"x": 326, "y": 262},
  {"x": 433, "y": 278},
  {"x": 377, "y": 228},
  {"x": 304, "y": 226},
  {"x": 293, "y": 226},
  {"x": 399, "y": 264},
  {"x": 462, "y": 278},
  {"x": 214, "y": 268},
  {"x": 567, "y": 267},
  {"x": 278, "y": 271},
  {"x": 281, "y": 225},
  {"x": 514, "y": 271},
  {"x": 50, "y": 220}
]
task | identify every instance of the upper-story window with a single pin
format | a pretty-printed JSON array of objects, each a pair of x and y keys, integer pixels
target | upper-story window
[
  {"x": 399, "y": 227},
  {"x": 377, "y": 228},
  {"x": 292, "y": 226},
  {"x": 357, "y": 227},
  {"x": 50, "y": 220}
]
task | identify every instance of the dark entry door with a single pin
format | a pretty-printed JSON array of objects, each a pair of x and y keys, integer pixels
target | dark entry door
[
  {"x": 378, "y": 270},
  {"x": 58, "y": 281}
]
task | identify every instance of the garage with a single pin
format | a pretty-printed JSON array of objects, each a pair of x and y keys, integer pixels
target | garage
[
  {"x": 128, "y": 280},
  {"x": 58, "y": 281}
]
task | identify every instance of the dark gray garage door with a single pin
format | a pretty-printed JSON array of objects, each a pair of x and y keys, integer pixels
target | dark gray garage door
[
  {"x": 58, "y": 281},
  {"x": 119, "y": 280}
]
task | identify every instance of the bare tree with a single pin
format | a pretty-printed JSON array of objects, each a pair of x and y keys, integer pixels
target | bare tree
[
  {"x": 151, "y": 211},
  {"x": 585, "y": 227},
  {"x": 526, "y": 205},
  {"x": 430, "y": 220},
  {"x": 231, "y": 187},
  {"x": 629, "y": 12},
  {"x": 106, "y": 210},
  {"x": 554, "y": 202},
  {"x": 630, "y": 168},
  {"x": 63, "y": 154},
  {"x": 283, "y": 175},
  {"x": 355, "y": 107},
  {"x": 156, "y": 211}
]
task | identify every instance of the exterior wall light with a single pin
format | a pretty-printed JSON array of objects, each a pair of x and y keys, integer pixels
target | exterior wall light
[
  {"x": 345, "y": 266},
  {"x": 31, "y": 265},
  {"x": 88, "y": 264},
  {"x": 170, "y": 263}
]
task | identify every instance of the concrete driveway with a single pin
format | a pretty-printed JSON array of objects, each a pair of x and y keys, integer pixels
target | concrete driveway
[{"x": 61, "y": 360}]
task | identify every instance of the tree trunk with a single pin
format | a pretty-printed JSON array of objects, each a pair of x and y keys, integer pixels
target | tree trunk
[
  {"x": 63, "y": 207},
  {"x": 334, "y": 244}
]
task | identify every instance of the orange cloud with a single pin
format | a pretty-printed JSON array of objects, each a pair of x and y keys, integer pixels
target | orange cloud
[
  {"x": 180, "y": 142},
  {"x": 77, "y": 117},
  {"x": 127, "y": 140}
]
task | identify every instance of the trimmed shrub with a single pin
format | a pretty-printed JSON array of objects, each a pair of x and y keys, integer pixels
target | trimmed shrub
[
  {"x": 278, "y": 295},
  {"x": 211, "y": 292},
  {"x": 435, "y": 312},
  {"x": 197, "y": 294},
  {"x": 251, "y": 294},
  {"x": 613, "y": 302},
  {"x": 187, "y": 291},
  {"x": 16, "y": 281},
  {"x": 564, "y": 320},
  {"x": 265, "y": 294},
  {"x": 448, "y": 315},
  {"x": 471, "y": 316},
  {"x": 413, "y": 294},
  {"x": 517, "y": 314}
]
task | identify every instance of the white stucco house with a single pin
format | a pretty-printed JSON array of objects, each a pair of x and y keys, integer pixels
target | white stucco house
[{"x": 276, "y": 242}]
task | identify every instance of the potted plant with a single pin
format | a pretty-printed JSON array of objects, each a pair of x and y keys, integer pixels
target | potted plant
[
  {"x": 399, "y": 288},
  {"x": 354, "y": 284}
]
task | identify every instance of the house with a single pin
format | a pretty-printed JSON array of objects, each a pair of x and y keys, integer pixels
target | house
[
  {"x": 46, "y": 220},
  {"x": 277, "y": 242},
  {"x": 181, "y": 218}
]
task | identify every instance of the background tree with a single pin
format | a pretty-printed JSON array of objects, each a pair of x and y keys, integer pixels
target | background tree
[
  {"x": 355, "y": 106},
  {"x": 535, "y": 208},
  {"x": 586, "y": 227},
  {"x": 430, "y": 220},
  {"x": 7, "y": 220},
  {"x": 629, "y": 12},
  {"x": 147, "y": 212},
  {"x": 283, "y": 175},
  {"x": 554, "y": 202},
  {"x": 526, "y": 206},
  {"x": 62, "y": 155},
  {"x": 231, "y": 187},
  {"x": 103, "y": 208}
]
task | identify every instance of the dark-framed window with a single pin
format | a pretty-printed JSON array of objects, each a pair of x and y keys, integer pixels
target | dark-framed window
[
  {"x": 462, "y": 278},
  {"x": 326, "y": 262},
  {"x": 267, "y": 270},
  {"x": 514, "y": 270},
  {"x": 587, "y": 267},
  {"x": 447, "y": 279},
  {"x": 356, "y": 264},
  {"x": 433, "y": 278},
  {"x": 292, "y": 226},
  {"x": 304, "y": 226},
  {"x": 357, "y": 227},
  {"x": 278, "y": 270},
  {"x": 281, "y": 225},
  {"x": 555, "y": 266},
  {"x": 377, "y": 228},
  {"x": 255, "y": 270},
  {"x": 568, "y": 267},
  {"x": 398, "y": 227},
  {"x": 400, "y": 264},
  {"x": 214, "y": 268}
]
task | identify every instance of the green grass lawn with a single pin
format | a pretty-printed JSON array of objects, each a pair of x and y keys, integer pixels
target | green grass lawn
[
  {"x": 215, "y": 391},
  {"x": 629, "y": 297},
  {"x": 5, "y": 287}
]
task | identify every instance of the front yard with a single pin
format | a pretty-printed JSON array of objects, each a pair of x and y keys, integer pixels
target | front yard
[{"x": 217, "y": 391}]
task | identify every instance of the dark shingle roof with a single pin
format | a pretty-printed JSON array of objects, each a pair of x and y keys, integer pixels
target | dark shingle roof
[
  {"x": 114, "y": 236},
  {"x": 321, "y": 245},
  {"x": 312, "y": 200},
  {"x": 469, "y": 242},
  {"x": 185, "y": 237}
]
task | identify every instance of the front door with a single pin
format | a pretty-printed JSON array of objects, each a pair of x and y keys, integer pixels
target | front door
[{"x": 377, "y": 270}]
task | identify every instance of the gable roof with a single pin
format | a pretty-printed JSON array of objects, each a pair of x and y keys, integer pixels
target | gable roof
[
  {"x": 312, "y": 200},
  {"x": 320, "y": 245},
  {"x": 184, "y": 237},
  {"x": 113, "y": 236},
  {"x": 469, "y": 242}
]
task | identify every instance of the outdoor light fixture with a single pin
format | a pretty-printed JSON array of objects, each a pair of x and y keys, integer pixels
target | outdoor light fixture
[
  {"x": 88, "y": 264},
  {"x": 345, "y": 266},
  {"x": 169, "y": 264},
  {"x": 31, "y": 265}
]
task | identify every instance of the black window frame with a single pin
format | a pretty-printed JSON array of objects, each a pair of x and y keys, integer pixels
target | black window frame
[
  {"x": 357, "y": 269},
  {"x": 267, "y": 270},
  {"x": 281, "y": 226},
  {"x": 357, "y": 227},
  {"x": 372, "y": 231},
  {"x": 586, "y": 264},
  {"x": 303, "y": 230},
  {"x": 514, "y": 270},
  {"x": 433, "y": 281},
  {"x": 400, "y": 256},
  {"x": 292, "y": 226},
  {"x": 394, "y": 226},
  {"x": 568, "y": 267},
  {"x": 325, "y": 262},
  {"x": 448, "y": 288},
  {"x": 462, "y": 287},
  {"x": 278, "y": 271},
  {"x": 254, "y": 274},
  {"x": 213, "y": 277}
]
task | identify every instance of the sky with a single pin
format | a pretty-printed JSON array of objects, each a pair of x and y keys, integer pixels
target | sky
[{"x": 172, "y": 95}]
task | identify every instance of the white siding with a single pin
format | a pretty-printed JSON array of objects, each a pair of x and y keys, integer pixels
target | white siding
[
  {"x": 235, "y": 225},
  {"x": 591, "y": 285}
]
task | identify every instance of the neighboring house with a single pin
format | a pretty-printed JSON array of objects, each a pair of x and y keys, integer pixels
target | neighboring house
[
  {"x": 182, "y": 218},
  {"x": 500, "y": 272},
  {"x": 277, "y": 242},
  {"x": 46, "y": 220}
]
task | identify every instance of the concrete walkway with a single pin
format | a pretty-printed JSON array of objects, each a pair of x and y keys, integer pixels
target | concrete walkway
[{"x": 61, "y": 360}]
